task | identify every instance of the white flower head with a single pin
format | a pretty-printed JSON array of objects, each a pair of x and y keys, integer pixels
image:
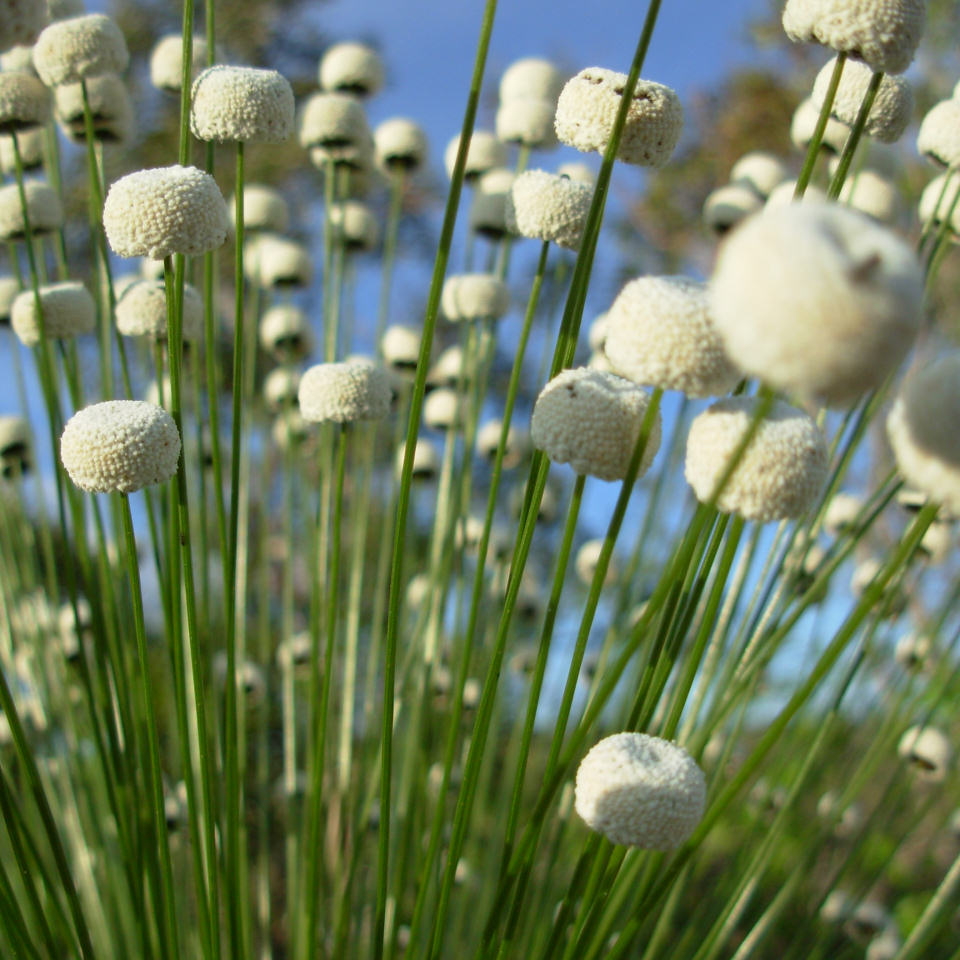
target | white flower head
[
  {"x": 549, "y": 207},
  {"x": 241, "y": 104},
  {"x": 68, "y": 311},
  {"x": 70, "y": 50},
  {"x": 344, "y": 392}
]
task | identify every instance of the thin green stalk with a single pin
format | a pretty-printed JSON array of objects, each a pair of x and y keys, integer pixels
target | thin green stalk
[
  {"x": 853, "y": 139},
  {"x": 813, "y": 150}
]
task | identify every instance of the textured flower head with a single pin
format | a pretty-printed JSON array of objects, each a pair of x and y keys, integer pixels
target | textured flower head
[
  {"x": 939, "y": 136},
  {"x": 280, "y": 389},
  {"x": 474, "y": 296},
  {"x": 165, "y": 210},
  {"x": 111, "y": 109},
  {"x": 142, "y": 311},
  {"x": 351, "y": 68},
  {"x": 531, "y": 78},
  {"x": 817, "y": 299},
  {"x": 355, "y": 225},
  {"x": 166, "y": 61},
  {"x": 400, "y": 144},
  {"x": 241, "y": 104},
  {"x": 285, "y": 332},
  {"x": 549, "y": 207},
  {"x": 270, "y": 260},
  {"x": 591, "y": 420},
  {"x": 516, "y": 449},
  {"x": 16, "y": 456},
  {"x": 31, "y": 144},
  {"x": 641, "y": 791},
  {"x": 588, "y": 106},
  {"x": 43, "y": 209},
  {"x": 760, "y": 170},
  {"x": 24, "y": 102},
  {"x": 68, "y": 311},
  {"x": 779, "y": 476},
  {"x": 726, "y": 206},
  {"x": 804, "y": 123},
  {"x": 120, "y": 446},
  {"x": 488, "y": 211},
  {"x": 659, "y": 333},
  {"x": 344, "y": 392},
  {"x": 336, "y": 124},
  {"x": 485, "y": 153},
  {"x": 400, "y": 347},
  {"x": 264, "y": 208},
  {"x": 71, "y": 50},
  {"x": 528, "y": 121}
]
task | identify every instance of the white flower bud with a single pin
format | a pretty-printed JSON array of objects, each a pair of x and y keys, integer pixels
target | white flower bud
[
  {"x": 351, "y": 68},
  {"x": 344, "y": 392},
  {"x": 586, "y": 560},
  {"x": 166, "y": 61},
  {"x": 270, "y": 260},
  {"x": 928, "y": 750},
  {"x": 581, "y": 172},
  {"x": 782, "y": 195},
  {"x": 641, "y": 791},
  {"x": 355, "y": 224},
  {"x": 933, "y": 209},
  {"x": 528, "y": 122},
  {"x": 841, "y": 513},
  {"x": 264, "y": 208},
  {"x": 912, "y": 651},
  {"x": 442, "y": 409},
  {"x": 426, "y": 460},
  {"x": 588, "y": 105},
  {"x": 779, "y": 476},
  {"x": 111, "y": 109},
  {"x": 872, "y": 194},
  {"x": 939, "y": 136},
  {"x": 31, "y": 144},
  {"x": 726, "y": 206},
  {"x": 400, "y": 144},
  {"x": 484, "y": 153},
  {"x": 43, "y": 209},
  {"x": 120, "y": 446},
  {"x": 516, "y": 449},
  {"x": 804, "y": 123},
  {"x": 760, "y": 170},
  {"x": 16, "y": 456},
  {"x": 280, "y": 388},
  {"x": 549, "y": 207},
  {"x": 336, "y": 123},
  {"x": 70, "y": 50},
  {"x": 401, "y": 348},
  {"x": 142, "y": 311},
  {"x": 531, "y": 77},
  {"x": 241, "y": 104},
  {"x": 286, "y": 333},
  {"x": 68, "y": 311},
  {"x": 24, "y": 102}
]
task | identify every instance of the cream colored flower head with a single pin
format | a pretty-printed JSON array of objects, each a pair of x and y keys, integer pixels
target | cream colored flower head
[
  {"x": 760, "y": 170},
  {"x": 400, "y": 144},
  {"x": 488, "y": 209},
  {"x": 485, "y": 153},
  {"x": 531, "y": 78},
  {"x": 120, "y": 446},
  {"x": 351, "y": 68},
  {"x": 804, "y": 123},
  {"x": 400, "y": 347},
  {"x": 9, "y": 291},
  {"x": 31, "y": 143},
  {"x": 68, "y": 311},
  {"x": 528, "y": 122},
  {"x": 111, "y": 109},
  {"x": 241, "y": 104},
  {"x": 264, "y": 208},
  {"x": 779, "y": 476},
  {"x": 726, "y": 206},
  {"x": 336, "y": 123},
  {"x": 474, "y": 296},
  {"x": 355, "y": 225},
  {"x": 18, "y": 59},
  {"x": 586, "y": 561},
  {"x": 816, "y": 299},
  {"x": 659, "y": 333},
  {"x": 591, "y": 420},
  {"x": 270, "y": 260},
  {"x": 841, "y": 513},
  {"x": 442, "y": 409},
  {"x": 285, "y": 332},
  {"x": 928, "y": 750},
  {"x": 548, "y": 207},
  {"x": 142, "y": 311},
  {"x": 43, "y": 209},
  {"x": 938, "y": 196},
  {"x": 165, "y": 210},
  {"x": 873, "y": 194},
  {"x": 588, "y": 106},
  {"x": 939, "y": 136},
  {"x": 24, "y": 102},
  {"x": 640, "y": 791},
  {"x": 516, "y": 449},
  {"x": 71, "y": 50},
  {"x": 166, "y": 61},
  {"x": 426, "y": 460},
  {"x": 924, "y": 430},
  {"x": 883, "y": 33},
  {"x": 891, "y": 109},
  {"x": 280, "y": 388},
  {"x": 16, "y": 456},
  {"x": 344, "y": 392}
]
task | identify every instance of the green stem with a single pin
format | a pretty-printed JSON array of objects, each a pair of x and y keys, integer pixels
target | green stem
[
  {"x": 856, "y": 132},
  {"x": 813, "y": 150}
]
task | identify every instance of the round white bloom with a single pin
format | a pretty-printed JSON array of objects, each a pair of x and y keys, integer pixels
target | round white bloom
[
  {"x": 937, "y": 198},
  {"x": 336, "y": 123},
  {"x": 15, "y": 453},
  {"x": 530, "y": 78},
  {"x": 641, "y": 791},
  {"x": 488, "y": 439},
  {"x": 111, "y": 109},
  {"x": 549, "y": 207},
  {"x": 912, "y": 651},
  {"x": 18, "y": 59},
  {"x": 591, "y": 420},
  {"x": 344, "y": 392},
  {"x": 442, "y": 409},
  {"x": 779, "y": 476},
  {"x": 280, "y": 388},
  {"x": 289, "y": 430},
  {"x": 426, "y": 460},
  {"x": 939, "y": 136},
  {"x": 166, "y": 210},
  {"x": 120, "y": 446},
  {"x": 295, "y": 652},
  {"x": 401, "y": 347},
  {"x": 841, "y": 513},
  {"x": 873, "y": 194},
  {"x": 24, "y": 102},
  {"x": 43, "y": 209},
  {"x": 285, "y": 332},
  {"x": 355, "y": 225},
  {"x": 883, "y": 33},
  {"x": 586, "y": 560},
  {"x": 837, "y": 907},
  {"x": 804, "y": 123},
  {"x": 937, "y": 543},
  {"x": 352, "y": 68},
  {"x": 20, "y": 21},
  {"x": 817, "y": 299},
  {"x": 142, "y": 311},
  {"x": 488, "y": 210},
  {"x": 250, "y": 678},
  {"x": 782, "y": 195},
  {"x": 891, "y": 109},
  {"x": 264, "y": 208},
  {"x": 928, "y": 749},
  {"x": 270, "y": 260},
  {"x": 241, "y": 104},
  {"x": 588, "y": 105},
  {"x": 474, "y": 296},
  {"x": 760, "y": 170},
  {"x": 892, "y": 601},
  {"x": 726, "y": 206},
  {"x": 31, "y": 144},
  {"x": 484, "y": 153},
  {"x": 68, "y": 311},
  {"x": 166, "y": 61},
  {"x": 924, "y": 430},
  {"x": 70, "y": 50},
  {"x": 659, "y": 333},
  {"x": 528, "y": 122},
  {"x": 401, "y": 144}
]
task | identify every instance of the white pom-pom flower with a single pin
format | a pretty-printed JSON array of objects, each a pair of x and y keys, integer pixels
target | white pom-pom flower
[
  {"x": 818, "y": 299},
  {"x": 264, "y": 208},
  {"x": 400, "y": 144},
  {"x": 804, "y": 123},
  {"x": 71, "y": 50},
  {"x": 488, "y": 211},
  {"x": 166, "y": 61},
  {"x": 166, "y": 210},
  {"x": 280, "y": 388},
  {"x": 726, "y": 206},
  {"x": 426, "y": 460},
  {"x": 641, "y": 791},
  {"x": 530, "y": 78},
  {"x": 515, "y": 451},
  {"x": 527, "y": 121},
  {"x": 270, "y": 260},
  {"x": 659, "y": 333},
  {"x": 474, "y": 296},
  {"x": 351, "y": 68},
  {"x": 111, "y": 109},
  {"x": 43, "y": 209},
  {"x": 841, "y": 513},
  {"x": 883, "y": 33},
  {"x": 928, "y": 750},
  {"x": 484, "y": 153},
  {"x": 591, "y": 420},
  {"x": 120, "y": 446},
  {"x": 760, "y": 170},
  {"x": 548, "y": 207},
  {"x": 337, "y": 125},
  {"x": 588, "y": 105},
  {"x": 355, "y": 225},
  {"x": 779, "y": 476},
  {"x": 442, "y": 409},
  {"x": 401, "y": 348},
  {"x": 938, "y": 138},
  {"x": 68, "y": 311},
  {"x": 924, "y": 430},
  {"x": 24, "y": 102},
  {"x": 142, "y": 311},
  {"x": 286, "y": 333},
  {"x": 31, "y": 144},
  {"x": 241, "y": 104},
  {"x": 873, "y": 194},
  {"x": 891, "y": 109},
  {"x": 586, "y": 561},
  {"x": 938, "y": 196},
  {"x": 344, "y": 392},
  {"x": 15, "y": 453}
]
